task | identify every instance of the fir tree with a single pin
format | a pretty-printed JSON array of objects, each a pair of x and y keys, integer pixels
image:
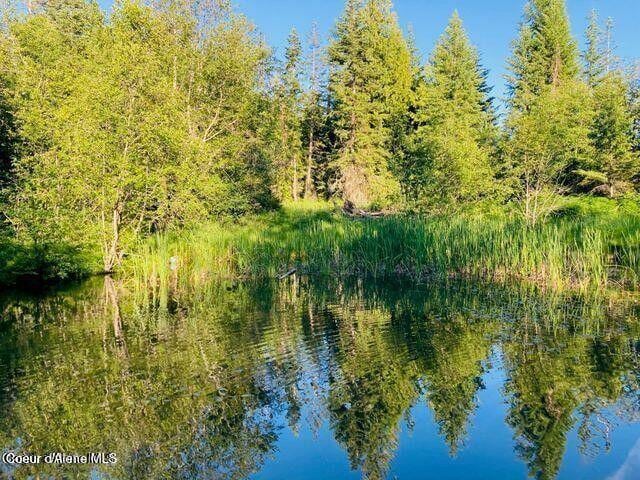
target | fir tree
[
  {"x": 314, "y": 115},
  {"x": 454, "y": 122},
  {"x": 370, "y": 84},
  {"x": 635, "y": 110},
  {"x": 293, "y": 91},
  {"x": 635, "y": 115},
  {"x": 550, "y": 112},
  {"x": 288, "y": 133},
  {"x": 612, "y": 136},
  {"x": 593, "y": 59},
  {"x": 614, "y": 163},
  {"x": 610, "y": 60},
  {"x": 545, "y": 53}
]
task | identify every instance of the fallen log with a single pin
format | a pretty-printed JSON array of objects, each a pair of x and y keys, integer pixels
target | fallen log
[
  {"x": 351, "y": 210},
  {"x": 282, "y": 276}
]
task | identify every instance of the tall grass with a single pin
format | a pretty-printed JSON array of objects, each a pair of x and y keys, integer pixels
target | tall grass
[{"x": 580, "y": 250}]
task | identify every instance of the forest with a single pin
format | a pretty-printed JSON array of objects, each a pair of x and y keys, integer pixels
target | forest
[{"x": 167, "y": 133}]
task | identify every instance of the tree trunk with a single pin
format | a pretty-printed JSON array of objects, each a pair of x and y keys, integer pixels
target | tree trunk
[
  {"x": 294, "y": 161},
  {"x": 308, "y": 193},
  {"x": 112, "y": 255}
]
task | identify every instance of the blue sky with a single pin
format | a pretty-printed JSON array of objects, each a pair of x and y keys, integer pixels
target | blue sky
[{"x": 492, "y": 24}]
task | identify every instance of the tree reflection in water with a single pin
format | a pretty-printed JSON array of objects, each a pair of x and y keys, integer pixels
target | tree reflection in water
[{"x": 199, "y": 382}]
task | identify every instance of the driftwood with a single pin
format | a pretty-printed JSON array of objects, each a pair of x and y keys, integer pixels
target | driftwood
[
  {"x": 282, "y": 276},
  {"x": 351, "y": 210}
]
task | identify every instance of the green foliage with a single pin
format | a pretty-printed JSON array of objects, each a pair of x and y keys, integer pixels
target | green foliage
[
  {"x": 315, "y": 125},
  {"x": 454, "y": 137},
  {"x": 142, "y": 124},
  {"x": 370, "y": 87},
  {"x": 544, "y": 54},
  {"x": 288, "y": 134},
  {"x": 594, "y": 61},
  {"x": 614, "y": 163},
  {"x": 612, "y": 135},
  {"x": 548, "y": 141},
  {"x": 550, "y": 117},
  {"x": 171, "y": 115},
  {"x": 635, "y": 114},
  {"x": 8, "y": 144},
  {"x": 598, "y": 249}
]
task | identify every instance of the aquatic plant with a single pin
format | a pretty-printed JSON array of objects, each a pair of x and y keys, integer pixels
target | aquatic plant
[{"x": 566, "y": 251}]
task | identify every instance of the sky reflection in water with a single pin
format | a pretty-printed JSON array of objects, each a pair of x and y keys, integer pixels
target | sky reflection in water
[{"x": 312, "y": 378}]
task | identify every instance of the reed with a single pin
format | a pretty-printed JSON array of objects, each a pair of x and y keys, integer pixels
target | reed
[{"x": 567, "y": 251}]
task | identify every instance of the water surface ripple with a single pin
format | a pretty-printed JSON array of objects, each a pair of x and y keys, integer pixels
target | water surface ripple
[{"x": 315, "y": 378}]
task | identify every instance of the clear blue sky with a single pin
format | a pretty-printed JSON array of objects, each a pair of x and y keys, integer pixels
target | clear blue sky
[{"x": 492, "y": 24}]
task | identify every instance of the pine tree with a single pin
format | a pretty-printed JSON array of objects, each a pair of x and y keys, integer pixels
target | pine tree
[
  {"x": 545, "y": 53},
  {"x": 550, "y": 112},
  {"x": 293, "y": 91},
  {"x": 404, "y": 126},
  {"x": 73, "y": 17},
  {"x": 314, "y": 114},
  {"x": 635, "y": 115},
  {"x": 635, "y": 110},
  {"x": 288, "y": 104},
  {"x": 370, "y": 85},
  {"x": 610, "y": 60},
  {"x": 454, "y": 119},
  {"x": 612, "y": 135},
  {"x": 593, "y": 59},
  {"x": 614, "y": 163}
]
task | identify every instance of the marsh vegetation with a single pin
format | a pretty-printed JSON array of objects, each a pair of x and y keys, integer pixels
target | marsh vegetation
[{"x": 172, "y": 124}]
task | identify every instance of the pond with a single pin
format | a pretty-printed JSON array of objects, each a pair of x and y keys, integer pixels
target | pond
[{"x": 312, "y": 378}]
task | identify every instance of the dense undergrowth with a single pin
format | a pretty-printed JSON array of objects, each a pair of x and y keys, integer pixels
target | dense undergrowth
[{"x": 585, "y": 243}]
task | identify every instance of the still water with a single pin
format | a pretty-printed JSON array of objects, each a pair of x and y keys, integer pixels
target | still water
[{"x": 321, "y": 379}]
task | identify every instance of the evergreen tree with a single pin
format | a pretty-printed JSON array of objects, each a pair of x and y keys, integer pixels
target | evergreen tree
[
  {"x": 635, "y": 111},
  {"x": 614, "y": 163},
  {"x": 593, "y": 59},
  {"x": 548, "y": 143},
  {"x": 550, "y": 112},
  {"x": 610, "y": 59},
  {"x": 545, "y": 53},
  {"x": 599, "y": 55},
  {"x": 454, "y": 119},
  {"x": 404, "y": 126},
  {"x": 288, "y": 134},
  {"x": 73, "y": 17},
  {"x": 635, "y": 115},
  {"x": 612, "y": 136},
  {"x": 314, "y": 116},
  {"x": 370, "y": 86}
]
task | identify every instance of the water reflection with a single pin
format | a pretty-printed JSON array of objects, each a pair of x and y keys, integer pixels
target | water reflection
[{"x": 204, "y": 382}]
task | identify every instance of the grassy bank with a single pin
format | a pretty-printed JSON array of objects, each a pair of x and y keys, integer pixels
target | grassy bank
[
  {"x": 32, "y": 265},
  {"x": 586, "y": 243}
]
